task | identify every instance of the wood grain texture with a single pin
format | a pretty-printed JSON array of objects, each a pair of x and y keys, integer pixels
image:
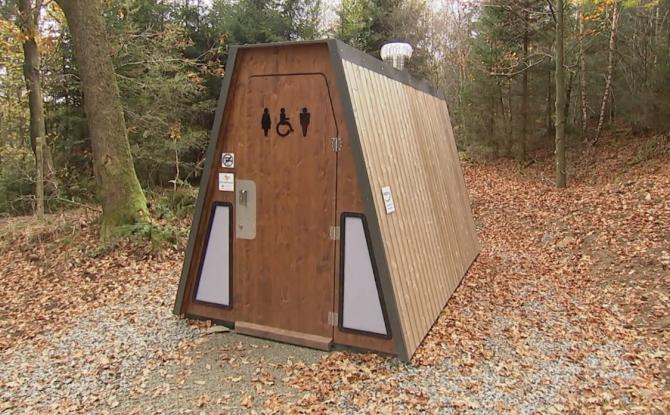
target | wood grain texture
[
  {"x": 430, "y": 239},
  {"x": 284, "y": 277},
  {"x": 260, "y": 282},
  {"x": 350, "y": 200}
]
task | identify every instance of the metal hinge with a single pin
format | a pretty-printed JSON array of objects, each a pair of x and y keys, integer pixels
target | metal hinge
[
  {"x": 336, "y": 144},
  {"x": 334, "y": 233},
  {"x": 332, "y": 319}
]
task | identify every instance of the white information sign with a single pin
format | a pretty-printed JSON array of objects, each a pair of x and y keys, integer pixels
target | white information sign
[
  {"x": 388, "y": 199},
  {"x": 226, "y": 182},
  {"x": 228, "y": 160}
]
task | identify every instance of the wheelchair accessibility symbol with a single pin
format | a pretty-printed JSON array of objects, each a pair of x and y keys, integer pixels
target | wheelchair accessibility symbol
[{"x": 284, "y": 126}]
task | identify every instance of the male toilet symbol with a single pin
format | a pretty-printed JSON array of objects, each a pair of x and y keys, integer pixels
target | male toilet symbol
[
  {"x": 304, "y": 121},
  {"x": 266, "y": 121},
  {"x": 284, "y": 120}
]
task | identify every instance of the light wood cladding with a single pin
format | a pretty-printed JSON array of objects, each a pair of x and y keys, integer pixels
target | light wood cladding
[{"x": 430, "y": 239}]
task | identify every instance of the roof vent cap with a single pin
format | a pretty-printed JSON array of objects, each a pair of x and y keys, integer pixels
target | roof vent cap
[{"x": 396, "y": 53}]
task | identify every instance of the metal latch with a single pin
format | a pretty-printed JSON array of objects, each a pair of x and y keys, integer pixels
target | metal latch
[
  {"x": 332, "y": 319},
  {"x": 334, "y": 233},
  {"x": 336, "y": 144}
]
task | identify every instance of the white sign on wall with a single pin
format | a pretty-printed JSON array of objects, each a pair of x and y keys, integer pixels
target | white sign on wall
[
  {"x": 388, "y": 199},
  {"x": 226, "y": 182}
]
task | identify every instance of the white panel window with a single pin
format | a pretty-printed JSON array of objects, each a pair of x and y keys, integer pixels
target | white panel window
[
  {"x": 361, "y": 309},
  {"x": 214, "y": 283}
]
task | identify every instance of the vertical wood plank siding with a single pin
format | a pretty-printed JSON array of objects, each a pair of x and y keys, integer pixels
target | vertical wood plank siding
[{"x": 430, "y": 239}]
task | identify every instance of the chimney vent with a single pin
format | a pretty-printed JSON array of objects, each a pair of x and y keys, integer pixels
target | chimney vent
[{"x": 396, "y": 53}]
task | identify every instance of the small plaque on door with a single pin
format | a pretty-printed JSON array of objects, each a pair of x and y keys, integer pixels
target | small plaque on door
[{"x": 226, "y": 182}]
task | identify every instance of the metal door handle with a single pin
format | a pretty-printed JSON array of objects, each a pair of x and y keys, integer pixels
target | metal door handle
[{"x": 243, "y": 197}]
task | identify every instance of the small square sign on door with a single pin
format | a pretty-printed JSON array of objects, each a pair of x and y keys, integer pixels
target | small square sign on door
[
  {"x": 226, "y": 182},
  {"x": 228, "y": 160}
]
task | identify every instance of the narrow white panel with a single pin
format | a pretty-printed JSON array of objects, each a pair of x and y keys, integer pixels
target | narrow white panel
[
  {"x": 362, "y": 309},
  {"x": 214, "y": 286}
]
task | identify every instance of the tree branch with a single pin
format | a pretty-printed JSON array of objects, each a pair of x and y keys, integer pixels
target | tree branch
[{"x": 551, "y": 8}]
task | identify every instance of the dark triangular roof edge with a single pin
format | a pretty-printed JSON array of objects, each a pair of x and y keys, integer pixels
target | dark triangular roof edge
[
  {"x": 388, "y": 293},
  {"x": 204, "y": 180}
]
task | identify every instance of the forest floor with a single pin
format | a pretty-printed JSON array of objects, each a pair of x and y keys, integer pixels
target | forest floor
[{"x": 565, "y": 310}]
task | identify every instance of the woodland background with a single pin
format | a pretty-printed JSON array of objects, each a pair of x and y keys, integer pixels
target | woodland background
[
  {"x": 566, "y": 309},
  {"x": 495, "y": 61}
]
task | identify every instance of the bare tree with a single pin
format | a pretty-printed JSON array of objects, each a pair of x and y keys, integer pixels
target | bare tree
[
  {"x": 525, "y": 92},
  {"x": 561, "y": 167},
  {"x": 610, "y": 70},
  {"x": 582, "y": 72},
  {"x": 28, "y": 23}
]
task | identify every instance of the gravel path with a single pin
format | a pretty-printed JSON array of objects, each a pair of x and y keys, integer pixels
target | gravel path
[
  {"x": 98, "y": 359},
  {"x": 222, "y": 373}
]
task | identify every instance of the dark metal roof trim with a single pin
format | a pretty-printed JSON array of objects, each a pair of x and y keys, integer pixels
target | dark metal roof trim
[
  {"x": 367, "y": 61},
  {"x": 363, "y": 59}
]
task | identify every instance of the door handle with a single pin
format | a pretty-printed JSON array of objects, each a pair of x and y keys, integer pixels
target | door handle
[{"x": 243, "y": 197}]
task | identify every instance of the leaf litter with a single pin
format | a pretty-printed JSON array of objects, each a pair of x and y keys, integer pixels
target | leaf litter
[{"x": 565, "y": 310}]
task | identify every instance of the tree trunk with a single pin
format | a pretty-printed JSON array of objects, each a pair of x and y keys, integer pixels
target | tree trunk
[
  {"x": 561, "y": 175},
  {"x": 491, "y": 122},
  {"x": 549, "y": 123},
  {"x": 610, "y": 69},
  {"x": 39, "y": 186},
  {"x": 582, "y": 74},
  {"x": 504, "y": 126},
  {"x": 119, "y": 190},
  {"x": 524, "y": 96},
  {"x": 28, "y": 24},
  {"x": 568, "y": 96}
]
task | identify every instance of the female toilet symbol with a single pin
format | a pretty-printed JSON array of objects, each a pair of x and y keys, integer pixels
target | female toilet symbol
[
  {"x": 284, "y": 120},
  {"x": 304, "y": 121},
  {"x": 266, "y": 121}
]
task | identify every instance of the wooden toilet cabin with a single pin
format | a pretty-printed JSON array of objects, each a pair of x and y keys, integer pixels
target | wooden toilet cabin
[{"x": 332, "y": 208}]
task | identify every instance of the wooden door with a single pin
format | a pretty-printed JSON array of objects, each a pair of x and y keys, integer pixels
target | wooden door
[{"x": 286, "y": 272}]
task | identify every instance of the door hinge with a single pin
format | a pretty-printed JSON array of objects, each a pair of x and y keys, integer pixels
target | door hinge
[
  {"x": 332, "y": 319},
  {"x": 336, "y": 144},
  {"x": 334, "y": 233}
]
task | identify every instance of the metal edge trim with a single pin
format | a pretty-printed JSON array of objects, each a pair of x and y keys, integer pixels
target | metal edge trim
[
  {"x": 204, "y": 181},
  {"x": 375, "y": 274},
  {"x": 203, "y": 254}
]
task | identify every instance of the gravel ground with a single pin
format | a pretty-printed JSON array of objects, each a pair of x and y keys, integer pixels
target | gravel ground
[
  {"x": 98, "y": 359},
  {"x": 223, "y": 373}
]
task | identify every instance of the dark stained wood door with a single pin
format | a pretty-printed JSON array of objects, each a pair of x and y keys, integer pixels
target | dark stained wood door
[{"x": 286, "y": 273}]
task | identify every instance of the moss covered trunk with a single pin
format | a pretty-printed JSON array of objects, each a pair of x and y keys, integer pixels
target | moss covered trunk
[{"x": 119, "y": 190}]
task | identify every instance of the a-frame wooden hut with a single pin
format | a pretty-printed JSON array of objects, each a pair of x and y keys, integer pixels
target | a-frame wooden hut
[{"x": 332, "y": 209}]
